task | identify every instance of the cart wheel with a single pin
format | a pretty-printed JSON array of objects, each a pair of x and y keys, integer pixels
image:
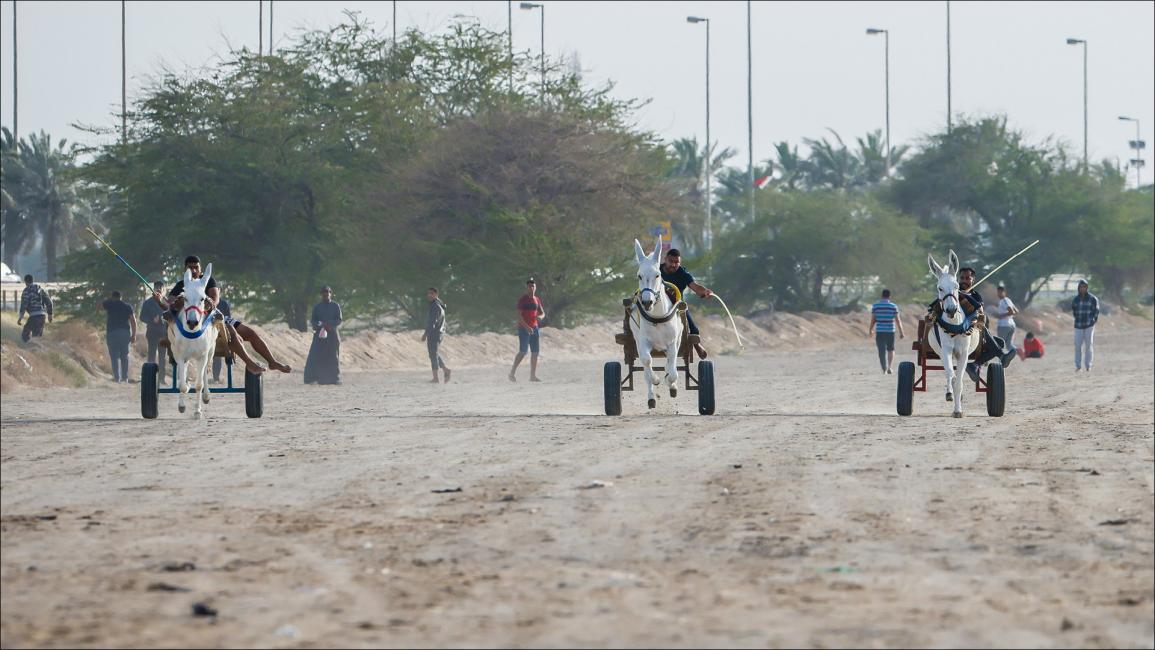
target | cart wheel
[
  {"x": 254, "y": 395},
  {"x": 612, "y": 377},
  {"x": 906, "y": 388},
  {"x": 148, "y": 390},
  {"x": 996, "y": 390},
  {"x": 705, "y": 387}
]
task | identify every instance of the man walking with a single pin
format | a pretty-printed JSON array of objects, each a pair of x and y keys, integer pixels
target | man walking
[
  {"x": 529, "y": 315},
  {"x": 152, "y": 315},
  {"x": 1085, "y": 308},
  {"x": 1005, "y": 311},
  {"x": 883, "y": 321},
  {"x": 35, "y": 302},
  {"x": 434, "y": 332},
  {"x": 324, "y": 363},
  {"x": 119, "y": 332}
]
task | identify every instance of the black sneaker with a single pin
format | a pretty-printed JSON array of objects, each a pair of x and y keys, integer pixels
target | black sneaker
[
  {"x": 973, "y": 372},
  {"x": 1009, "y": 357}
]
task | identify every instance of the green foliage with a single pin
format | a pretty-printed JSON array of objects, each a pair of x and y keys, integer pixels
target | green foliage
[
  {"x": 801, "y": 240},
  {"x": 337, "y": 161}
]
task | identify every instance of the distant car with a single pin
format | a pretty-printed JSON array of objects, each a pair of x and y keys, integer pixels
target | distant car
[{"x": 6, "y": 274}]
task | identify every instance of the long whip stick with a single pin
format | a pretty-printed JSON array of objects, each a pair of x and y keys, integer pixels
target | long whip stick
[
  {"x": 122, "y": 260},
  {"x": 736, "y": 335},
  {"x": 1005, "y": 263}
]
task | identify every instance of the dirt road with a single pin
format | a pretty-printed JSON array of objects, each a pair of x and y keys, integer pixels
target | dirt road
[{"x": 805, "y": 514}]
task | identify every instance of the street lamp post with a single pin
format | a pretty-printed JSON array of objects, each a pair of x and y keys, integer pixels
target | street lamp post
[
  {"x": 1079, "y": 41},
  {"x": 706, "y": 163},
  {"x": 270, "y": 27},
  {"x": 886, "y": 36},
  {"x": 749, "y": 114},
  {"x": 509, "y": 33},
  {"x": 1138, "y": 145},
  {"x": 535, "y": 5},
  {"x": 948, "y": 116},
  {"x": 123, "y": 77}
]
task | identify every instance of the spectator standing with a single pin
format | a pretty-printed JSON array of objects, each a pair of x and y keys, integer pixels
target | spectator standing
[
  {"x": 324, "y": 363},
  {"x": 155, "y": 328},
  {"x": 119, "y": 332},
  {"x": 1005, "y": 311},
  {"x": 883, "y": 322},
  {"x": 434, "y": 332},
  {"x": 1032, "y": 347},
  {"x": 38, "y": 305},
  {"x": 529, "y": 315},
  {"x": 1085, "y": 307},
  {"x": 226, "y": 310}
]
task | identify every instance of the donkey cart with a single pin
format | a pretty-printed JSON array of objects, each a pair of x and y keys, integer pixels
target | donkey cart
[
  {"x": 994, "y": 386},
  {"x": 150, "y": 389},
  {"x": 614, "y": 384}
]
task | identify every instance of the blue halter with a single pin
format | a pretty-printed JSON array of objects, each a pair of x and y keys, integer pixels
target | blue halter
[{"x": 197, "y": 334}]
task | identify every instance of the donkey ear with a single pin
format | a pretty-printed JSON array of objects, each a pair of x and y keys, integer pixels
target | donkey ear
[
  {"x": 208, "y": 274},
  {"x": 658, "y": 251},
  {"x": 953, "y": 263},
  {"x": 638, "y": 252},
  {"x": 935, "y": 269},
  {"x": 188, "y": 278}
]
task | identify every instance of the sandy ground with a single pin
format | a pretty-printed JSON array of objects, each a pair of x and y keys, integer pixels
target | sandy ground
[{"x": 805, "y": 514}]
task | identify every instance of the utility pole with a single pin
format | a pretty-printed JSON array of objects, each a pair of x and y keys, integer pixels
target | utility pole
[
  {"x": 749, "y": 114},
  {"x": 15, "y": 86},
  {"x": 948, "y": 109},
  {"x": 260, "y": 27},
  {"x": 123, "y": 75},
  {"x": 270, "y": 27}
]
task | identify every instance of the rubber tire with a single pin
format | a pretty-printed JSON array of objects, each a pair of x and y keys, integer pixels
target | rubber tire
[
  {"x": 996, "y": 390},
  {"x": 149, "y": 373},
  {"x": 254, "y": 395},
  {"x": 705, "y": 388},
  {"x": 612, "y": 380},
  {"x": 906, "y": 388}
]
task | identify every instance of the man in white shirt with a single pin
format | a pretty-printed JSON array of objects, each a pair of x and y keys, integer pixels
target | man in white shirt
[{"x": 1005, "y": 312}]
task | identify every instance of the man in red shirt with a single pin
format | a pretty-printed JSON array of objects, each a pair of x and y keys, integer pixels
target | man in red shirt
[
  {"x": 529, "y": 315},
  {"x": 1032, "y": 347}
]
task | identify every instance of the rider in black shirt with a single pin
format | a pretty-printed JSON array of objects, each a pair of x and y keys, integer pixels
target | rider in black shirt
[{"x": 677, "y": 275}]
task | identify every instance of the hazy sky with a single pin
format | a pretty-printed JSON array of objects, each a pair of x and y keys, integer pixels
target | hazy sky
[{"x": 814, "y": 66}]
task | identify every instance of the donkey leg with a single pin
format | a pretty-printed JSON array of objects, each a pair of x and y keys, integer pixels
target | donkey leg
[
  {"x": 948, "y": 368},
  {"x": 182, "y": 386},
  {"x": 958, "y": 384},
  {"x": 648, "y": 365},
  {"x": 672, "y": 369}
]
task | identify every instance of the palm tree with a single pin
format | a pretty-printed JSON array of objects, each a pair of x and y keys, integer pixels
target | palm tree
[
  {"x": 688, "y": 174},
  {"x": 831, "y": 166},
  {"x": 793, "y": 166},
  {"x": 872, "y": 154},
  {"x": 41, "y": 199}
]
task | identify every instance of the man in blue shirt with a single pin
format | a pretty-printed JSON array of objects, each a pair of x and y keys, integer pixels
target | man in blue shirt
[
  {"x": 883, "y": 321},
  {"x": 677, "y": 275},
  {"x": 1085, "y": 308}
]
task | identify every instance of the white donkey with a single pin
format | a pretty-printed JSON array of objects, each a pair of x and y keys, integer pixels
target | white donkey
[
  {"x": 948, "y": 335},
  {"x": 654, "y": 321},
  {"x": 192, "y": 337}
]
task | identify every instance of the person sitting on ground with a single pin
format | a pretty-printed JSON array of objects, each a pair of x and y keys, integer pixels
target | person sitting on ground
[
  {"x": 677, "y": 275},
  {"x": 236, "y": 330},
  {"x": 1032, "y": 347}
]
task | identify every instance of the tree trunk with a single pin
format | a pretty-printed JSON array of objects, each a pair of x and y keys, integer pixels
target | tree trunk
[{"x": 50, "y": 251}]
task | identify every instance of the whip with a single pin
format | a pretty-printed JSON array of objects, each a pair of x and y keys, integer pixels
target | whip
[
  {"x": 122, "y": 260},
  {"x": 732, "y": 324},
  {"x": 1005, "y": 263}
]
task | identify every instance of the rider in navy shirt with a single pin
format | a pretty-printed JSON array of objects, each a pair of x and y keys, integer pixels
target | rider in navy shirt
[{"x": 677, "y": 275}]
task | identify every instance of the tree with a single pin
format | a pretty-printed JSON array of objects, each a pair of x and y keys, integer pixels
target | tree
[
  {"x": 41, "y": 199},
  {"x": 687, "y": 174},
  {"x": 800, "y": 240}
]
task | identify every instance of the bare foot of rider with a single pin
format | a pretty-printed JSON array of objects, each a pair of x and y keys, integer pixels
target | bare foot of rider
[
  {"x": 277, "y": 365},
  {"x": 254, "y": 368}
]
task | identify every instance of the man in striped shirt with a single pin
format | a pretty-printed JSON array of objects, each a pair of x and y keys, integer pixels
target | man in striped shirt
[{"x": 883, "y": 321}]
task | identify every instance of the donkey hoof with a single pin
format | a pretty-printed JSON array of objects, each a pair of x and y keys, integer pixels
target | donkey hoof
[
  {"x": 180, "y": 407},
  {"x": 196, "y": 415},
  {"x": 652, "y": 403},
  {"x": 957, "y": 414},
  {"x": 673, "y": 392},
  {"x": 205, "y": 397},
  {"x": 949, "y": 397}
]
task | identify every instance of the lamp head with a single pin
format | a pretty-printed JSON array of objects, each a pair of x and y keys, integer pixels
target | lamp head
[
  {"x": 696, "y": 19},
  {"x": 530, "y": 5},
  {"x": 873, "y": 30},
  {"x": 1075, "y": 41}
]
